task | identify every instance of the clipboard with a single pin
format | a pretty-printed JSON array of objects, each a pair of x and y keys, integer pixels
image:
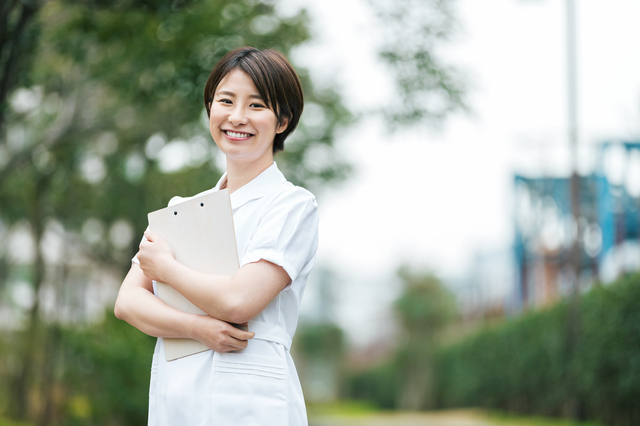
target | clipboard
[{"x": 200, "y": 231}]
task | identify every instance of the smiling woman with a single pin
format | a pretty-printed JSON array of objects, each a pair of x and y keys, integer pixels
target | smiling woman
[
  {"x": 241, "y": 123},
  {"x": 282, "y": 95},
  {"x": 254, "y": 101}
]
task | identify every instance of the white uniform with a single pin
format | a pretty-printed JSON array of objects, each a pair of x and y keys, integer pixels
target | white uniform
[{"x": 276, "y": 221}]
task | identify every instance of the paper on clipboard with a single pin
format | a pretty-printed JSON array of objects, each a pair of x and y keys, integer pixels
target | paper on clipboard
[{"x": 200, "y": 231}]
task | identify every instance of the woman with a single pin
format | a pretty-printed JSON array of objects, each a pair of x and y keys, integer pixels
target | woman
[{"x": 254, "y": 100}]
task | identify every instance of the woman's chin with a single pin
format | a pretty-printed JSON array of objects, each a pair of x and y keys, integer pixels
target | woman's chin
[{"x": 247, "y": 157}]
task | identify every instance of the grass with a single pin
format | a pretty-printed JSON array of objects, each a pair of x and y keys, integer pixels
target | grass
[
  {"x": 342, "y": 409},
  {"x": 503, "y": 419},
  {"x": 5, "y": 422},
  {"x": 357, "y": 412},
  {"x": 361, "y": 409}
]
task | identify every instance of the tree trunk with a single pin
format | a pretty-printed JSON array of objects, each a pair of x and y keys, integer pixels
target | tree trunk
[
  {"x": 32, "y": 338},
  {"x": 11, "y": 45},
  {"x": 51, "y": 357}
]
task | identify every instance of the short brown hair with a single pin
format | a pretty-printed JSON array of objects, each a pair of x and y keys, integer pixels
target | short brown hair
[{"x": 275, "y": 79}]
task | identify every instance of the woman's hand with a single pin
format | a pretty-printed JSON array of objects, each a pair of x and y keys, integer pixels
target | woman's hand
[
  {"x": 218, "y": 335},
  {"x": 154, "y": 256}
]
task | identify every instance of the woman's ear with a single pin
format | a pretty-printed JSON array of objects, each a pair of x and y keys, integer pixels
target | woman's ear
[{"x": 282, "y": 126}]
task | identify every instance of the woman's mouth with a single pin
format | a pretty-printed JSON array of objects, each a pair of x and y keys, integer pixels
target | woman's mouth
[{"x": 237, "y": 135}]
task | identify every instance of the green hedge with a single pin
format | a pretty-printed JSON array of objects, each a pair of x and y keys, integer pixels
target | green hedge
[
  {"x": 528, "y": 365},
  {"x": 107, "y": 368},
  {"x": 380, "y": 385}
]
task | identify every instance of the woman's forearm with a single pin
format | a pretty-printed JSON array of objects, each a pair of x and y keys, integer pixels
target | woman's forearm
[
  {"x": 211, "y": 293},
  {"x": 137, "y": 305},
  {"x": 237, "y": 299}
]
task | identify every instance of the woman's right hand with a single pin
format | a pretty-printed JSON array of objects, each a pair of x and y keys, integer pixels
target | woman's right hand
[{"x": 218, "y": 335}]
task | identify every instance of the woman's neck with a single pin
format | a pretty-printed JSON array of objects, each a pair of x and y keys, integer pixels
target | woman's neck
[{"x": 238, "y": 175}]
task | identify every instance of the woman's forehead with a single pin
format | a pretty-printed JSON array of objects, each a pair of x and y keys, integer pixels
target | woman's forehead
[{"x": 237, "y": 82}]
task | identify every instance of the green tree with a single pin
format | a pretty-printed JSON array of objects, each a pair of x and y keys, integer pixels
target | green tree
[
  {"x": 116, "y": 358},
  {"x": 18, "y": 37},
  {"x": 424, "y": 308},
  {"x": 413, "y": 33},
  {"x": 320, "y": 343}
]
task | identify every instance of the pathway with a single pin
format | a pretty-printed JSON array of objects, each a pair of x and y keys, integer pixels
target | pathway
[{"x": 447, "y": 418}]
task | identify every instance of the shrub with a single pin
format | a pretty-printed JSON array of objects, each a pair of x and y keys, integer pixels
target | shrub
[{"x": 530, "y": 365}]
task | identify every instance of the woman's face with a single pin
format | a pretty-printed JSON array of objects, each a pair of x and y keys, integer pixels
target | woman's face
[{"x": 240, "y": 122}]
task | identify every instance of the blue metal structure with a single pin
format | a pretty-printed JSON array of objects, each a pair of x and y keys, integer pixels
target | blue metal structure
[
  {"x": 619, "y": 213},
  {"x": 609, "y": 213}
]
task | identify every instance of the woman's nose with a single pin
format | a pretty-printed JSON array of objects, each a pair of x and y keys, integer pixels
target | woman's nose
[{"x": 237, "y": 116}]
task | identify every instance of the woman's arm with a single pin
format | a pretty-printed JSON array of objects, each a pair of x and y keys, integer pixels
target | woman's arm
[
  {"x": 237, "y": 299},
  {"x": 137, "y": 305}
]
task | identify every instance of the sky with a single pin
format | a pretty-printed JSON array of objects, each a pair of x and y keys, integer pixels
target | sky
[{"x": 438, "y": 199}]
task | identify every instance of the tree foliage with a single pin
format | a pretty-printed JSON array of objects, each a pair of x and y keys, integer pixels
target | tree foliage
[
  {"x": 425, "y": 306},
  {"x": 18, "y": 36},
  {"x": 525, "y": 365},
  {"x": 110, "y": 78},
  {"x": 413, "y": 33},
  {"x": 424, "y": 309},
  {"x": 408, "y": 380},
  {"x": 106, "y": 373}
]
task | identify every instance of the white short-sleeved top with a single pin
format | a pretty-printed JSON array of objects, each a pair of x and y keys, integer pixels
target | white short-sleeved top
[{"x": 276, "y": 221}]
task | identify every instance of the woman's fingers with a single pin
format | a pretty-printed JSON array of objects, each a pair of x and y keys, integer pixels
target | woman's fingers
[
  {"x": 221, "y": 336},
  {"x": 230, "y": 345},
  {"x": 241, "y": 334},
  {"x": 150, "y": 236},
  {"x": 238, "y": 338},
  {"x": 155, "y": 256}
]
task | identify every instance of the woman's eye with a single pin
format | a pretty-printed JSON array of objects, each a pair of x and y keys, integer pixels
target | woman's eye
[
  {"x": 256, "y": 105},
  {"x": 224, "y": 101}
]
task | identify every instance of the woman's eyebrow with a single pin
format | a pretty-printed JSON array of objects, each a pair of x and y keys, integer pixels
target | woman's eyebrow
[{"x": 230, "y": 93}]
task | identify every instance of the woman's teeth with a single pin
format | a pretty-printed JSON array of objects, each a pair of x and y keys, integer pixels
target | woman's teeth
[{"x": 237, "y": 135}]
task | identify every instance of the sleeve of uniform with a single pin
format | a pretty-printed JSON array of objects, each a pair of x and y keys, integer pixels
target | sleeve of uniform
[{"x": 287, "y": 234}]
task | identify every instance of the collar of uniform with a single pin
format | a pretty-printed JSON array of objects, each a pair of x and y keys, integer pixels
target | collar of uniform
[{"x": 261, "y": 185}]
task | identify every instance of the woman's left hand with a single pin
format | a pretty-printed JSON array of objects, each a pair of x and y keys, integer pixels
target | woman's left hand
[{"x": 154, "y": 256}]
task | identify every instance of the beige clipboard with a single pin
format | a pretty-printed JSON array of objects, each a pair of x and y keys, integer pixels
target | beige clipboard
[{"x": 200, "y": 231}]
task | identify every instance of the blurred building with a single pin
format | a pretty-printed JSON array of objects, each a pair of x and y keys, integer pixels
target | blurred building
[
  {"x": 75, "y": 288},
  {"x": 610, "y": 224},
  {"x": 482, "y": 292}
]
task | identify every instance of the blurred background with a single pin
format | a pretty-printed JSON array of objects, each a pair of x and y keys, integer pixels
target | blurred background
[{"x": 477, "y": 166}]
